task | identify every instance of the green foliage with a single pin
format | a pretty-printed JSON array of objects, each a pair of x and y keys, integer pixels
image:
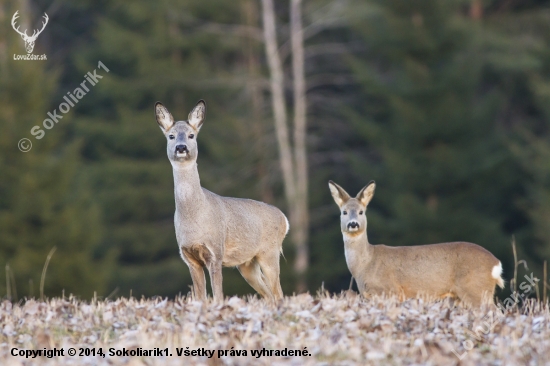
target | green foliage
[
  {"x": 531, "y": 143},
  {"x": 43, "y": 204},
  {"x": 427, "y": 117},
  {"x": 449, "y": 115}
]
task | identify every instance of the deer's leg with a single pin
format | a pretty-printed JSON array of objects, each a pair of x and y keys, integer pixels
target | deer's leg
[
  {"x": 269, "y": 262},
  {"x": 469, "y": 295},
  {"x": 216, "y": 279},
  {"x": 467, "y": 298},
  {"x": 197, "y": 275},
  {"x": 253, "y": 275},
  {"x": 475, "y": 290}
]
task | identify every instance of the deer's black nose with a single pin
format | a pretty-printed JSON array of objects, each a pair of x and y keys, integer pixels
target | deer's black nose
[
  {"x": 181, "y": 148},
  {"x": 353, "y": 225}
]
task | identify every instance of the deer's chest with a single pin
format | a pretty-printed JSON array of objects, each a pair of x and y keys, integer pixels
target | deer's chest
[
  {"x": 198, "y": 228},
  {"x": 354, "y": 262}
]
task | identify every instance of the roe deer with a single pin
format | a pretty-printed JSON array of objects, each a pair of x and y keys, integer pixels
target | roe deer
[
  {"x": 214, "y": 231},
  {"x": 463, "y": 270}
]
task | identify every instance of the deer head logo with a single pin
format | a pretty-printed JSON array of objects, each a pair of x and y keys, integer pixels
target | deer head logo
[{"x": 29, "y": 41}]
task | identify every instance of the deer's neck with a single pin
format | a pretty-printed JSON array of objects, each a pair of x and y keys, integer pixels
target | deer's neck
[
  {"x": 358, "y": 252},
  {"x": 187, "y": 187}
]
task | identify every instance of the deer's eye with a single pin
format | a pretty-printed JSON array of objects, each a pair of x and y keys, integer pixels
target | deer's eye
[
  {"x": 172, "y": 137},
  {"x": 345, "y": 212},
  {"x": 191, "y": 136},
  {"x": 360, "y": 212}
]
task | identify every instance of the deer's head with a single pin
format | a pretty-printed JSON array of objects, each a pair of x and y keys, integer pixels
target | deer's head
[
  {"x": 181, "y": 136},
  {"x": 353, "y": 219},
  {"x": 29, "y": 40}
]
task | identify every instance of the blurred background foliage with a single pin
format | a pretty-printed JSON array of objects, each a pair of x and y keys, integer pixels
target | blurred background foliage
[{"x": 446, "y": 104}]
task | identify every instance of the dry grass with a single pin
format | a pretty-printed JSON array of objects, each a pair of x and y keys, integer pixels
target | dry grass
[{"x": 343, "y": 329}]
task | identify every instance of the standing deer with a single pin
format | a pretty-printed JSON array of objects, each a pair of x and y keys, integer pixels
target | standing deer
[
  {"x": 214, "y": 231},
  {"x": 29, "y": 41},
  {"x": 462, "y": 270}
]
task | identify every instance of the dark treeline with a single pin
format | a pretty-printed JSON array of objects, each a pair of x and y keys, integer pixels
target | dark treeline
[{"x": 446, "y": 104}]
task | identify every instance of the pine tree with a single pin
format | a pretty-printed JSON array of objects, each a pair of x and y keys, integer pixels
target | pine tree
[
  {"x": 43, "y": 204},
  {"x": 428, "y": 124},
  {"x": 528, "y": 114}
]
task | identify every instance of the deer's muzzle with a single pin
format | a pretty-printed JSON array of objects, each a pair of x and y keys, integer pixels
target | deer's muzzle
[
  {"x": 180, "y": 149},
  {"x": 353, "y": 225}
]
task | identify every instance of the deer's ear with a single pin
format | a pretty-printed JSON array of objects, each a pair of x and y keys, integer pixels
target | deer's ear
[
  {"x": 365, "y": 195},
  {"x": 196, "y": 117},
  {"x": 164, "y": 118},
  {"x": 338, "y": 193}
]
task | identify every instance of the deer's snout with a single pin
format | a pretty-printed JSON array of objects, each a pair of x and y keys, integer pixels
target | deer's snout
[
  {"x": 181, "y": 148},
  {"x": 353, "y": 225}
]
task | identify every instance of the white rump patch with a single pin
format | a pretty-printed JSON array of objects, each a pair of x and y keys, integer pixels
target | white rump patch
[{"x": 496, "y": 273}]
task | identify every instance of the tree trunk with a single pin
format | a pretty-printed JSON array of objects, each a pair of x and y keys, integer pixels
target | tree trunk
[
  {"x": 294, "y": 165},
  {"x": 300, "y": 233},
  {"x": 278, "y": 99},
  {"x": 258, "y": 135}
]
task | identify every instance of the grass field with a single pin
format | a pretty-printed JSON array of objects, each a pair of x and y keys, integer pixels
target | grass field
[{"x": 340, "y": 329}]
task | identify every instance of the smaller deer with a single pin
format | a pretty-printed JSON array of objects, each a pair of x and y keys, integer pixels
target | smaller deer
[
  {"x": 462, "y": 270},
  {"x": 214, "y": 231},
  {"x": 29, "y": 40}
]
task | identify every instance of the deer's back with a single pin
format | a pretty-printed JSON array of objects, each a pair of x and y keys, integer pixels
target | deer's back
[
  {"x": 243, "y": 214},
  {"x": 429, "y": 268}
]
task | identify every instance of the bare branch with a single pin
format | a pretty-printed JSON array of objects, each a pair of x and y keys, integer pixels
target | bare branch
[{"x": 325, "y": 23}]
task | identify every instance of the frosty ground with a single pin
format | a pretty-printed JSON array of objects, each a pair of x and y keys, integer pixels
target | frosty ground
[{"x": 327, "y": 329}]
